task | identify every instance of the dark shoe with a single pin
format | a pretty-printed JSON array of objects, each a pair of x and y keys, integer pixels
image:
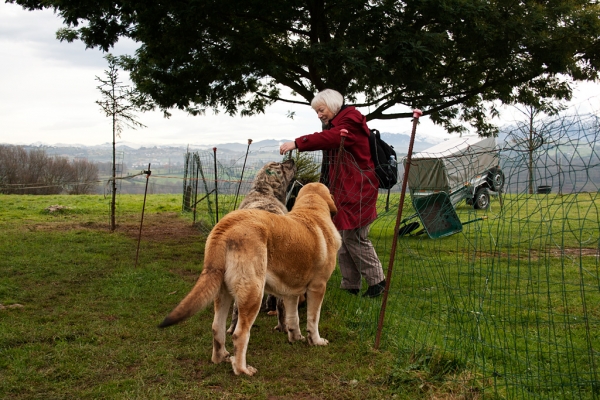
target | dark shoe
[
  {"x": 375, "y": 290},
  {"x": 352, "y": 291}
]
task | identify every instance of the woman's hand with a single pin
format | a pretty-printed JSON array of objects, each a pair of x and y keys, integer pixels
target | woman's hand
[{"x": 287, "y": 146}]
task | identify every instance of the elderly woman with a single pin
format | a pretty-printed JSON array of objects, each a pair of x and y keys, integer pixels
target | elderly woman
[{"x": 349, "y": 174}]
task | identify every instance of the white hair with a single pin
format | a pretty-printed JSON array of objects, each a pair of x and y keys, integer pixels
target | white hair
[{"x": 331, "y": 98}]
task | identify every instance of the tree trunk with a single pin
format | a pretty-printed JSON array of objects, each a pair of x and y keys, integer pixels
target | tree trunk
[
  {"x": 114, "y": 180},
  {"x": 530, "y": 151}
]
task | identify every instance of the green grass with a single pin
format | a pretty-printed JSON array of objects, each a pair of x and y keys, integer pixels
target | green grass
[
  {"x": 514, "y": 297},
  {"x": 509, "y": 308},
  {"x": 88, "y": 325}
]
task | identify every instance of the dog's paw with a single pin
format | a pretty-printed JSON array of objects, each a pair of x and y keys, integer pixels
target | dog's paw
[
  {"x": 248, "y": 369},
  {"x": 295, "y": 337},
  {"x": 318, "y": 342},
  {"x": 219, "y": 358},
  {"x": 280, "y": 328}
]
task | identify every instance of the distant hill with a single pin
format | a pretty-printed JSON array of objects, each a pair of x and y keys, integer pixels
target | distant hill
[
  {"x": 135, "y": 155},
  {"x": 401, "y": 141},
  {"x": 564, "y": 159},
  {"x": 398, "y": 140}
]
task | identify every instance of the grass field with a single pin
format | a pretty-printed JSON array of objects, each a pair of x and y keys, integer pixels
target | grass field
[
  {"x": 509, "y": 308},
  {"x": 514, "y": 299},
  {"x": 81, "y": 321}
]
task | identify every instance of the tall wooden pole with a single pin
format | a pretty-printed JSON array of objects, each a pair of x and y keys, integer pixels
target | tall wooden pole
[{"x": 416, "y": 114}]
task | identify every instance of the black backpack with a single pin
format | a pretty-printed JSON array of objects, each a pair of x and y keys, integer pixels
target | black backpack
[{"x": 384, "y": 158}]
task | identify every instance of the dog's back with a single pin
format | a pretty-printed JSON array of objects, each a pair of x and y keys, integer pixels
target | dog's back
[{"x": 290, "y": 243}]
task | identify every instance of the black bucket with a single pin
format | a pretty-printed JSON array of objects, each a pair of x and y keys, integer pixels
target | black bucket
[{"x": 544, "y": 189}]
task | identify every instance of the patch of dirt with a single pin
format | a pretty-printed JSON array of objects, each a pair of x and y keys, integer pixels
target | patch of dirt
[
  {"x": 160, "y": 227},
  {"x": 3, "y": 307},
  {"x": 156, "y": 227},
  {"x": 571, "y": 252},
  {"x": 188, "y": 275},
  {"x": 575, "y": 252},
  {"x": 56, "y": 208}
]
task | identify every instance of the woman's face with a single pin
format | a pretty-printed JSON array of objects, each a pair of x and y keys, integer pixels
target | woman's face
[{"x": 324, "y": 113}]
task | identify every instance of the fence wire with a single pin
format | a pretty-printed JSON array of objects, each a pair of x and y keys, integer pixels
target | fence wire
[
  {"x": 508, "y": 307},
  {"x": 210, "y": 196}
]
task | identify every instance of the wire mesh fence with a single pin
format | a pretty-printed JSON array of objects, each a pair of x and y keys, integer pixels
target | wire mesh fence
[
  {"x": 505, "y": 306},
  {"x": 214, "y": 184},
  {"x": 508, "y": 306}
]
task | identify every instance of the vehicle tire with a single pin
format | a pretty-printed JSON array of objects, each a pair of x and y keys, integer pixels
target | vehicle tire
[
  {"x": 481, "y": 201},
  {"x": 496, "y": 179},
  {"x": 407, "y": 229}
]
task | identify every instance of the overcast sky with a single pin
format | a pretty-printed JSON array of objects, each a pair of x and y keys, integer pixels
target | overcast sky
[{"x": 48, "y": 92}]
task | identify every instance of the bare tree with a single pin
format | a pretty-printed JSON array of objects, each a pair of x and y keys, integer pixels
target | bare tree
[
  {"x": 57, "y": 173},
  {"x": 33, "y": 164},
  {"x": 25, "y": 172},
  {"x": 34, "y": 172},
  {"x": 85, "y": 177},
  {"x": 120, "y": 103},
  {"x": 8, "y": 167},
  {"x": 533, "y": 132}
]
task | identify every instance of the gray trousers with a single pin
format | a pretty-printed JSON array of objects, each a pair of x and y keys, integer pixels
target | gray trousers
[{"x": 357, "y": 258}]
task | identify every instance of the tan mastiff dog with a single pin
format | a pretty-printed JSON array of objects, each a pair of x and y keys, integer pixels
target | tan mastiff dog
[
  {"x": 268, "y": 192},
  {"x": 252, "y": 251}
]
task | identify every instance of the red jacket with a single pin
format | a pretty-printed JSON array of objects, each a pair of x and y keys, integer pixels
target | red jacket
[{"x": 354, "y": 185}]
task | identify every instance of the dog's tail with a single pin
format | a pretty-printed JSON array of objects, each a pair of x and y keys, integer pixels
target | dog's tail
[{"x": 203, "y": 293}]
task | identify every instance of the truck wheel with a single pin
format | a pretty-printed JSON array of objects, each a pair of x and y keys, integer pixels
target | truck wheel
[
  {"x": 496, "y": 179},
  {"x": 406, "y": 229},
  {"x": 482, "y": 199}
]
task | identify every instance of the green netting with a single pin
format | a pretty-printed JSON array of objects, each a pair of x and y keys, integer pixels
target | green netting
[{"x": 512, "y": 302}]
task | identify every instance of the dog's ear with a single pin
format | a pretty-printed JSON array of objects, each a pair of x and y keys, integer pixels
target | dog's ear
[
  {"x": 328, "y": 197},
  {"x": 289, "y": 169},
  {"x": 332, "y": 207},
  {"x": 331, "y": 204}
]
